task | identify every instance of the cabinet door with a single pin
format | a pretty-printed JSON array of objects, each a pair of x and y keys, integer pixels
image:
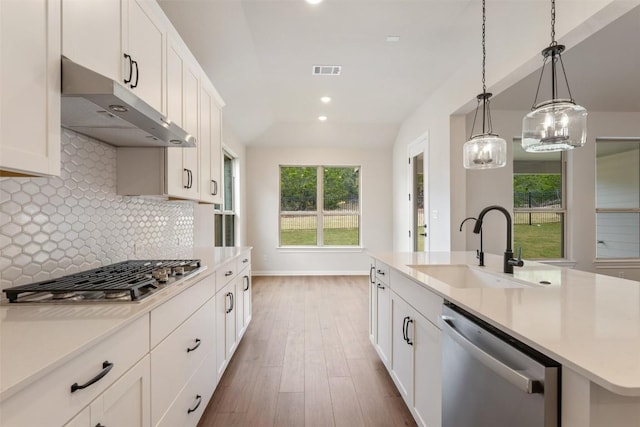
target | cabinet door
[
  {"x": 402, "y": 337},
  {"x": 383, "y": 337},
  {"x": 127, "y": 402},
  {"x": 230, "y": 320},
  {"x": 92, "y": 35},
  {"x": 29, "y": 87},
  {"x": 239, "y": 308},
  {"x": 143, "y": 41},
  {"x": 225, "y": 326},
  {"x": 427, "y": 372},
  {"x": 210, "y": 146},
  {"x": 373, "y": 305},
  {"x": 83, "y": 419},
  {"x": 246, "y": 296},
  {"x": 190, "y": 120}
]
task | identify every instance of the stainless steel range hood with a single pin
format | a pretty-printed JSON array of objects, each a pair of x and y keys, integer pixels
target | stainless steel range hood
[{"x": 99, "y": 107}]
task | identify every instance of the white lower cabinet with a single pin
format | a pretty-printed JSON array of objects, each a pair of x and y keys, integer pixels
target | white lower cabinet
[
  {"x": 176, "y": 358},
  {"x": 190, "y": 404},
  {"x": 126, "y": 403},
  {"x": 383, "y": 322},
  {"x": 415, "y": 367},
  {"x": 404, "y": 314},
  {"x": 246, "y": 300}
]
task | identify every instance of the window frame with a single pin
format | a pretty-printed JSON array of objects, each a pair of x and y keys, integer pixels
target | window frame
[
  {"x": 601, "y": 259},
  {"x": 220, "y": 209},
  {"x": 561, "y": 210},
  {"x": 320, "y": 212}
]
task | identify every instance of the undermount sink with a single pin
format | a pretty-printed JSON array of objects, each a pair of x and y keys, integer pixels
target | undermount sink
[{"x": 465, "y": 276}]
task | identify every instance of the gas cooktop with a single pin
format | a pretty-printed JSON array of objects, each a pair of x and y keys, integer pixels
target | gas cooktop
[{"x": 124, "y": 281}]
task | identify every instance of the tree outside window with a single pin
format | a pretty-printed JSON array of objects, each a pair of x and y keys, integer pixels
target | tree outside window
[{"x": 303, "y": 189}]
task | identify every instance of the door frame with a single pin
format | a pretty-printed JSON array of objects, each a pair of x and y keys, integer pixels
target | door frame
[{"x": 418, "y": 146}]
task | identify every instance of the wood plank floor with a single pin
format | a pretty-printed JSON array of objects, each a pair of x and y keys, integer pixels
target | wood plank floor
[{"x": 306, "y": 360}]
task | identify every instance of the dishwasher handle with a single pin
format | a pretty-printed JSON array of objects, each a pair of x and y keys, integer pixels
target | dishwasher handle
[{"x": 524, "y": 383}]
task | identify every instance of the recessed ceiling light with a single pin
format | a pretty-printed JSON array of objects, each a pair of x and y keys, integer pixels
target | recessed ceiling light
[
  {"x": 393, "y": 39},
  {"x": 326, "y": 99},
  {"x": 322, "y": 118},
  {"x": 313, "y": 1}
]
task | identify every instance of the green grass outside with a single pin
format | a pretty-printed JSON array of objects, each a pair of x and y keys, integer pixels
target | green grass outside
[
  {"x": 538, "y": 240},
  {"x": 332, "y": 237}
]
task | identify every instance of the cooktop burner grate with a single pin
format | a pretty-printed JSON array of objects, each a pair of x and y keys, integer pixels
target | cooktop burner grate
[{"x": 134, "y": 277}]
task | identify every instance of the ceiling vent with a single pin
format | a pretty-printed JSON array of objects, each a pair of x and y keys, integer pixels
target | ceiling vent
[{"x": 327, "y": 70}]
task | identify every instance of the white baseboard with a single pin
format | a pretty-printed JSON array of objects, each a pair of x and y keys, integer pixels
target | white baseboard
[{"x": 309, "y": 273}]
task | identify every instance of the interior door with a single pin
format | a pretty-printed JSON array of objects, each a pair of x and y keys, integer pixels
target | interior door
[{"x": 418, "y": 196}]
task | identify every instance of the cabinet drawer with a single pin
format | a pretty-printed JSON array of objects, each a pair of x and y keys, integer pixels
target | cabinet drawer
[
  {"x": 190, "y": 404},
  {"x": 176, "y": 358},
  {"x": 171, "y": 314},
  {"x": 244, "y": 261},
  {"x": 382, "y": 272},
  {"x": 424, "y": 301},
  {"x": 225, "y": 273},
  {"x": 49, "y": 401}
]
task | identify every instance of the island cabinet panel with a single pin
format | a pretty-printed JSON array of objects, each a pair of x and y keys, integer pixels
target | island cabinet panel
[{"x": 406, "y": 314}]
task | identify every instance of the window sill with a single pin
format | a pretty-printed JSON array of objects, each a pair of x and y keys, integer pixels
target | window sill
[
  {"x": 616, "y": 263},
  {"x": 557, "y": 262},
  {"x": 328, "y": 249}
]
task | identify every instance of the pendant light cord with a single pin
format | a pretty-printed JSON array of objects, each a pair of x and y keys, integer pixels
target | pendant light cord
[
  {"x": 486, "y": 113},
  {"x": 553, "y": 23}
]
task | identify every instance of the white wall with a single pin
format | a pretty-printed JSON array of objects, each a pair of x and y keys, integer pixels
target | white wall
[
  {"x": 518, "y": 43},
  {"x": 263, "y": 176}
]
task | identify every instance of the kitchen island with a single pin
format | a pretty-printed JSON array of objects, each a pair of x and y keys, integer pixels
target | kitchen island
[{"x": 588, "y": 323}]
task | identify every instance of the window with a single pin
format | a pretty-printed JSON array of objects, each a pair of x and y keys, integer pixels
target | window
[
  {"x": 319, "y": 206},
  {"x": 224, "y": 222},
  {"x": 617, "y": 198},
  {"x": 538, "y": 203}
]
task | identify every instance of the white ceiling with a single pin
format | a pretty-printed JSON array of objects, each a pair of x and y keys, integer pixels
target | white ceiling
[{"x": 259, "y": 55}]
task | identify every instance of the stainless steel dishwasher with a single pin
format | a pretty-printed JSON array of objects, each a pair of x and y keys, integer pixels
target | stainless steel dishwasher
[{"x": 490, "y": 379}]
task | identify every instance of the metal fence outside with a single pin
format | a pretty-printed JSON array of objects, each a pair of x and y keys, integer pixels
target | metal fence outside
[{"x": 537, "y": 200}]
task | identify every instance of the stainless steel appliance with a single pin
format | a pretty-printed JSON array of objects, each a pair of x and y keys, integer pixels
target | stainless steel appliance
[
  {"x": 124, "y": 281},
  {"x": 490, "y": 379},
  {"x": 99, "y": 107}
]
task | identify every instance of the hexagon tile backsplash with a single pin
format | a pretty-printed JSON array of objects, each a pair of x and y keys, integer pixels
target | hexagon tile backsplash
[{"x": 50, "y": 227}]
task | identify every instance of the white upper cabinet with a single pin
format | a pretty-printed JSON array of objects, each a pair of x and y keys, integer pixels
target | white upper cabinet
[
  {"x": 143, "y": 46},
  {"x": 121, "y": 39},
  {"x": 183, "y": 85},
  {"x": 210, "y": 145},
  {"x": 90, "y": 27},
  {"x": 29, "y": 87}
]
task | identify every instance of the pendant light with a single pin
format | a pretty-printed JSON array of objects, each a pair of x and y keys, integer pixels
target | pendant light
[
  {"x": 486, "y": 150},
  {"x": 557, "y": 124}
]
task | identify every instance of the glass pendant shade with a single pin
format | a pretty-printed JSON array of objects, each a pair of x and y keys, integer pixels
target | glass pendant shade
[
  {"x": 555, "y": 125},
  {"x": 485, "y": 151}
]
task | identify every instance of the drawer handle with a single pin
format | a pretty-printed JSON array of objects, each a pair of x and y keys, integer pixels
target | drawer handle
[
  {"x": 228, "y": 273},
  {"x": 380, "y": 286},
  {"x": 195, "y": 408},
  {"x": 246, "y": 260},
  {"x": 198, "y": 342},
  {"x": 230, "y": 309},
  {"x": 380, "y": 272},
  {"x": 246, "y": 281},
  {"x": 106, "y": 367}
]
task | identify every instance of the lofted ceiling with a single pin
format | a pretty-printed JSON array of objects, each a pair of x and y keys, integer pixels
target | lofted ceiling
[{"x": 259, "y": 54}]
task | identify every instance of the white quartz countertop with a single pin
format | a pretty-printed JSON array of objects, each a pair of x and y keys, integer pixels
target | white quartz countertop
[
  {"x": 587, "y": 322},
  {"x": 37, "y": 338}
]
